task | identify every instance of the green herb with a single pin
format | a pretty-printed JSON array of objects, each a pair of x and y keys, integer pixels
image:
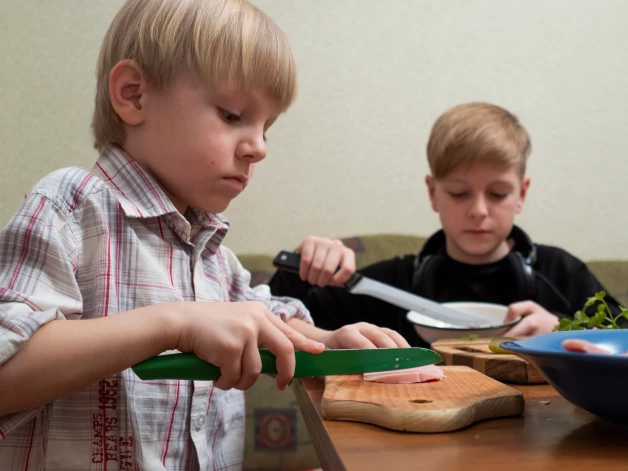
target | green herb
[
  {"x": 470, "y": 337},
  {"x": 602, "y": 318}
]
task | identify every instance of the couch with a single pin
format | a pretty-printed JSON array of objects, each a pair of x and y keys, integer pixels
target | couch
[{"x": 276, "y": 436}]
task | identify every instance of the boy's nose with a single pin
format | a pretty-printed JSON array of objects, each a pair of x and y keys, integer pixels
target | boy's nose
[
  {"x": 252, "y": 149},
  {"x": 478, "y": 207}
]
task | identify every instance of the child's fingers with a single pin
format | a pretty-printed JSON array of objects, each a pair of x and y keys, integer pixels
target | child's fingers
[
  {"x": 400, "y": 342},
  {"x": 282, "y": 340},
  {"x": 325, "y": 261},
  {"x": 333, "y": 259},
  {"x": 319, "y": 259},
  {"x": 583, "y": 346},
  {"x": 297, "y": 340},
  {"x": 306, "y": 249},
  {"x": 355, "y": 337},
  {"x": 517, "y": 310},
  {"x": 513, "y": 313},
  {"x": 346, "y": 261},
  {"x": 251, "y": 366},
  {"x": 377, "y": 336},
  {"x": 522, "y": 329},
  {"x": 230, "y": 371},
  {"x": 273, "y": 337}
]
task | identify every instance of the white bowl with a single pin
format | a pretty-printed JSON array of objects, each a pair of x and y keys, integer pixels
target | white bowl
[{"x": 432, "y": 330}]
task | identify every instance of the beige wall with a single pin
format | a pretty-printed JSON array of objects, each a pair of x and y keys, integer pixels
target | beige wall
[{"x": 349, "y": 158}]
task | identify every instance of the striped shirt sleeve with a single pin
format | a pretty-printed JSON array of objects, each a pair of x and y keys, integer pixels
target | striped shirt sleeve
[
  {"x": 284, "y": 307},
  {"x": 37, "y": 284}
]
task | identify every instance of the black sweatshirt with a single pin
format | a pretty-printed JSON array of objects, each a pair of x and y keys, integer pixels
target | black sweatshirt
[{"x": 562, "y": 285}]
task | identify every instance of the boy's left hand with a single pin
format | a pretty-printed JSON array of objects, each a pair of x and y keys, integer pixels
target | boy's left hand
[
  {"x": 320, "y": 258},
  {"x": 364, "y": 335},
  {"x": 536, "y": 320}
]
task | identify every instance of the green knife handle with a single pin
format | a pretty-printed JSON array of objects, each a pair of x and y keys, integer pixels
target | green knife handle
[{"x": 188, "y": 366}]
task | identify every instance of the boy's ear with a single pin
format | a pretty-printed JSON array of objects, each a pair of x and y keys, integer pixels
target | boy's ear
[
  {"x": 431, "y": 189},
  {"x": 525, "y": 184},
  {"x": 127, "y": 91}
]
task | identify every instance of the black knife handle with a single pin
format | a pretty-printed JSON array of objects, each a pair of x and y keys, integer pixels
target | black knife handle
[
  {"x": 351, "y": 282},
  {"x": 291, "y": 262},
  {"x": 288, "y": 261}
]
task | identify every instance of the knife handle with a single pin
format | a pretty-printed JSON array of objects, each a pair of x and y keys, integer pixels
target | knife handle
[
  {"x": 288, "y": 261},
  {"x": 291, "y": 262},
  {"x": 188, "y": 366}
]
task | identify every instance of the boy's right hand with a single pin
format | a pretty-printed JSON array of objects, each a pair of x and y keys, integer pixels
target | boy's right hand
[
  {"x": 325, "y": 261},
  {"x": 536, "y": 320},
  {"x": 228, "y": 335}
]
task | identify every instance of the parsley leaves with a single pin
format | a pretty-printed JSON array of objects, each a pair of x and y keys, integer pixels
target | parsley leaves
[{"x": 602, "y": 319}]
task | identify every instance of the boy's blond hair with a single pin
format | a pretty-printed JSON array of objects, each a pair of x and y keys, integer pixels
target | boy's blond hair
[
  {"x": 477, "y": 133},
  {"x": 221, "y": 42}
]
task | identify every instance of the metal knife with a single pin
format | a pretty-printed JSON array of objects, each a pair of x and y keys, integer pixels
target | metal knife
[
  {"x": 187, "y": 366},
  {"x": 359, "y": 284}
]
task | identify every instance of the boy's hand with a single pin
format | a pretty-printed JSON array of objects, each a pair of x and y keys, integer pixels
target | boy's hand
[
  {"x": 320, "y": 258},
  {"x": 229, "y": 335},
  {"x": 536, "y": 320},
  {"x": 364, "y": 335}
]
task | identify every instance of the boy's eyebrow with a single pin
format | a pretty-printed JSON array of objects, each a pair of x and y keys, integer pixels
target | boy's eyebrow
[
  {"x": 501, "y": 182},
  {"x": 454, "y": 180},
  {"x": 494, "y": 182}
]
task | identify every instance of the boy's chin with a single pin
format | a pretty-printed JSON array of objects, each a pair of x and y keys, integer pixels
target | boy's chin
[
  {"x": 216, "y": 205},
  {"x": 482, "y": 255}
]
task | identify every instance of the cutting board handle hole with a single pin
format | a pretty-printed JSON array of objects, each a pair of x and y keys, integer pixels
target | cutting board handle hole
[
  {"x": 478, "y": 349},
  {"x": 420, "y": 401}
]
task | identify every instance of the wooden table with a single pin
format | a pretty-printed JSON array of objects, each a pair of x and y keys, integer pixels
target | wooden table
[{"x": 556, "y": 436}]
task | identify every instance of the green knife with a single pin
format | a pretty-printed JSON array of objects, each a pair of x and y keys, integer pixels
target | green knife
[{"x": 188, "y": 366}]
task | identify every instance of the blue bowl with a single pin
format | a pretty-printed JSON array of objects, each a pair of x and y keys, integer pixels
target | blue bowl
[{"x": 594, "y": 382}]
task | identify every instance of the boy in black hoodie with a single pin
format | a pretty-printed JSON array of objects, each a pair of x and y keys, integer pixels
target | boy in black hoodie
[{"x": 477, "y": 153}]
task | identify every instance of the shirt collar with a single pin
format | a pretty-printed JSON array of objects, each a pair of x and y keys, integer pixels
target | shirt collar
[
  {"x": 137, "y": 192},
  {"x": 140, "y": 196}
]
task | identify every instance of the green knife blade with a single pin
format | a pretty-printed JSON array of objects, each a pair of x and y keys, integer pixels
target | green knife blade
[{"x": 188, "y": 366}]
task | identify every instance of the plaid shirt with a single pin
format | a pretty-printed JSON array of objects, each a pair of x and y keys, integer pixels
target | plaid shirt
[{"x": 85, "y": 245}]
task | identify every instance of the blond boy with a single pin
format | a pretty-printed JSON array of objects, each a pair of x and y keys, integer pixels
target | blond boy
[
  {"x": 102, "y": 269},
  {"x": 477, "y": 154}
]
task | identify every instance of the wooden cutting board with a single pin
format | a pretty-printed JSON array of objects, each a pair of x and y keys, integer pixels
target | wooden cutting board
[
  {"x": 476, "y": 354},
  {"x": 463, "y": 397}
]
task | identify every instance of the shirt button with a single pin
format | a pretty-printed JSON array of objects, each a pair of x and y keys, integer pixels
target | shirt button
[{"x": 199, "y": 423}]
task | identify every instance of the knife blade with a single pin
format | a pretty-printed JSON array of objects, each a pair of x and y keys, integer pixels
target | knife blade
[
  {"x": 187, "y": 366},
  {"x": 359, "y": 284}
]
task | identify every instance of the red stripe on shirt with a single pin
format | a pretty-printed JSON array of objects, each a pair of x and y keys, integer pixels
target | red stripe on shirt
[
  {"x": 174, "y": 408},
  {"x": 109, "y": 179},
  {"x": 80, "y": 190},
  {"x": 27, "y": 240}
]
